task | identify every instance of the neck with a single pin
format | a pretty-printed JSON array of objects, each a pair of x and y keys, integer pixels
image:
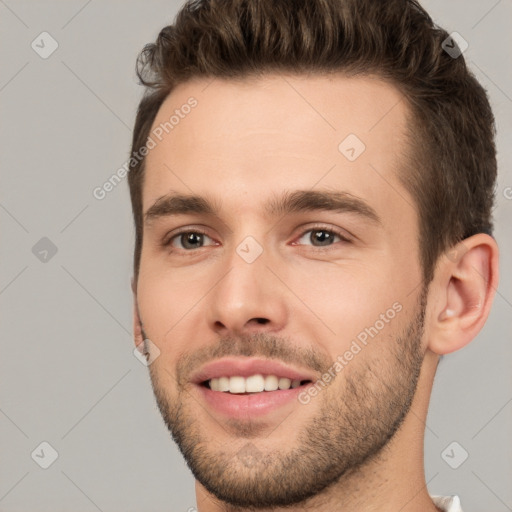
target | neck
[{"x": 392, "y": 480}]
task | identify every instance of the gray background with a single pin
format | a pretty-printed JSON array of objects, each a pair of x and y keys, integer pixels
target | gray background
[{"x": 68, "y": 374}]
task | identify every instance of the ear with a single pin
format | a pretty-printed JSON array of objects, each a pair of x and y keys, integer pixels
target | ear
[
  {"x": 464, "y": 286},
  {"x": 137, "y": 324}
]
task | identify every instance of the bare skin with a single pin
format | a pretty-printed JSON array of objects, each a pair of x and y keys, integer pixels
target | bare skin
[{"x": 243, "y": 144}]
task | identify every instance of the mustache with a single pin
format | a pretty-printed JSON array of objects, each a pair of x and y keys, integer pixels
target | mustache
[{"x": 257, "y": 344}]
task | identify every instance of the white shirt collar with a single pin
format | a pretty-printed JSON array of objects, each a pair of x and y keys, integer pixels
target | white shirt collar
[{"x": 447, "y": 503}]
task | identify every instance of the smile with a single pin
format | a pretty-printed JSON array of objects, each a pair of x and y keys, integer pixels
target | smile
[{"x": 253, "y": 384}]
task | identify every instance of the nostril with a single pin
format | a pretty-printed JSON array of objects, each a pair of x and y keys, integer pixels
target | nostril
[{"x": 262, "y": 320}]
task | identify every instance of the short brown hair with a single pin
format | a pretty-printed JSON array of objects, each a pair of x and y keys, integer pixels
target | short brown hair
[{"x": 451, "y": 169}]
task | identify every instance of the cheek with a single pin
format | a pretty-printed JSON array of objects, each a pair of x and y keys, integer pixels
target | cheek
[
  {"x": 341, "y": 302},
  {"x": 165, "y": 300}
]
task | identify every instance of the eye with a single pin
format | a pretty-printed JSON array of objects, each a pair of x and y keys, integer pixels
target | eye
[
  {"x": 321, "y": 236},
  {"x": 187, "y": 240}
]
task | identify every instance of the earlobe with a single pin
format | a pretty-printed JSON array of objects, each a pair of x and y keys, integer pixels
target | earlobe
[
  {"x": 465, "y": 284},
  {"x": 137, "y": 324}
]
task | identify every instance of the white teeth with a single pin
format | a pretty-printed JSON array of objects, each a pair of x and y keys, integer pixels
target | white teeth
[
  {"x": 237, "y": 385},
  {"x": 284, "y": 383},
  {"x": 223, "y": 384},
  {"x": 271, "y": 383},
  {"x": 252, "y": 384}
]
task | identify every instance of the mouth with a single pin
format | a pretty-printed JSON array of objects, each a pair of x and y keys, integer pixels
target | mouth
[
  {"x": 252, "y": 384},
  {"x": 247, "y": 388}
]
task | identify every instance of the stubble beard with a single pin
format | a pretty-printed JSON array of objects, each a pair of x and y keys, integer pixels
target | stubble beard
[{"x": 356, "y": 417}]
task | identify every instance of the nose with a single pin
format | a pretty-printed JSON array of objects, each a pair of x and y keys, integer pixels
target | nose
[{"x": 248, "y": 298}]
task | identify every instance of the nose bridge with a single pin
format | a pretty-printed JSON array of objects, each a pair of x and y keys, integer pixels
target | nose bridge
[{"x": 248, "y": 291}]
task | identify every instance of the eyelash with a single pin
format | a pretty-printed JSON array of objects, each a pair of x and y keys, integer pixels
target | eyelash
[{"x": 167, "y": 241}]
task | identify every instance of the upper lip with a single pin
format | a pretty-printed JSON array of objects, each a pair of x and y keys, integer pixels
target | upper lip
[{"x": 230, "y": 367}]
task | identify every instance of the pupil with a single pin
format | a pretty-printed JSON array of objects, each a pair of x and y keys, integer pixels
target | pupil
[
  {"x": 192, "y": 238},
  {"x": 324, "y": 238}
]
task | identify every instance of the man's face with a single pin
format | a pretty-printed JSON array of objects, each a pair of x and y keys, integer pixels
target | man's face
[{"x": 303, "y": 287}]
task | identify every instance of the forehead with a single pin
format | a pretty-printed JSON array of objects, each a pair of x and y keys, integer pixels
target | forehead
[{"x": 247, "y": 139}]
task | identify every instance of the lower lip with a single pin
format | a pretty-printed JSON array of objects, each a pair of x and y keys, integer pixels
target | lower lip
[{"x": 242, "y": 406}]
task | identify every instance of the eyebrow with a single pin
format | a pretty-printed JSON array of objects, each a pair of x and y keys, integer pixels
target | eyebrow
[{"x": 289, "y": 202}]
